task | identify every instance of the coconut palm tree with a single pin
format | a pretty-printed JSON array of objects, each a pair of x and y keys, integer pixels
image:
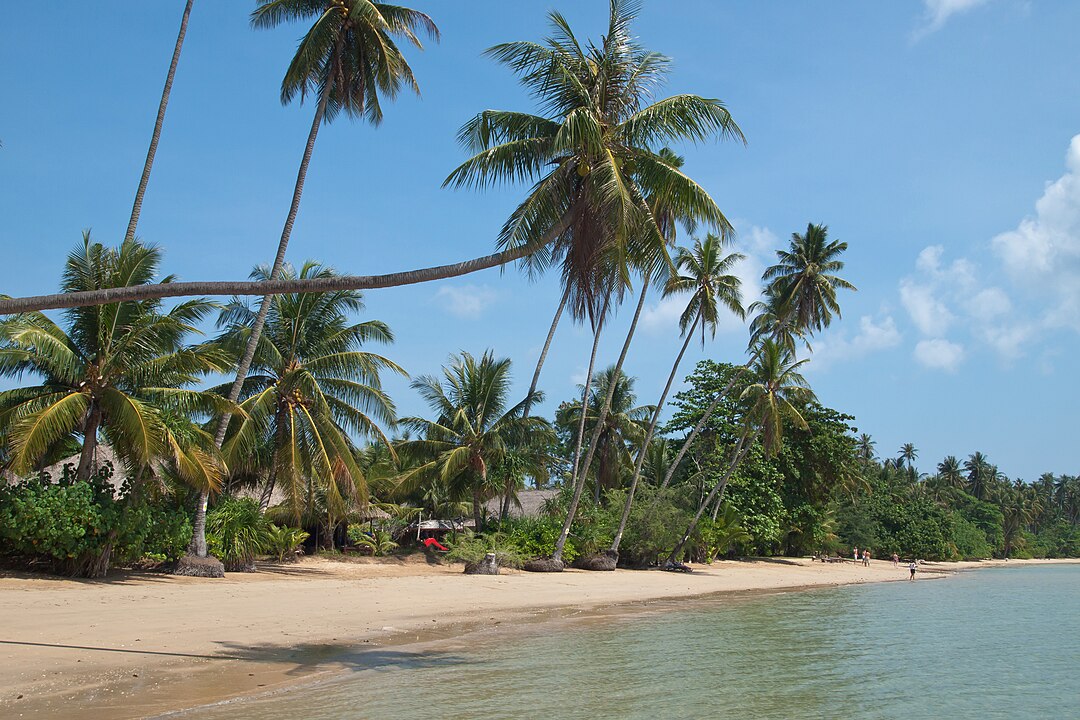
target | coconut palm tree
[
  {"x": 774, "y": 396},
  {"x": 622, "y": 427},
  {"x": 473, "y": 430},
  {"x": 949, "y": 472},
  {"x": 313, "y": 386},
  {"x": 978, "y": 471},
  {"x": 705, "y": 275},
  {"x": 121, "y": 371},
  {"x": 805, "y": 276},
  {"x": 907, "y": 456},
  {"x": 156, "y": 136},
  {"x": 865, "y": 449},
  {"x": 347, "y": 58}
]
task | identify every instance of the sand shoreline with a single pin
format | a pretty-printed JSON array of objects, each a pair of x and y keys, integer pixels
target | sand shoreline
[{"x": 141, "y": 645}]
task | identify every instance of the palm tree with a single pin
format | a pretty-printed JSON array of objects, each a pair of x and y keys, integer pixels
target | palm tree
[
  {"x": 949, "y": 472},
  {"x": 621, "y": 429},
  {"x": 348, "y": 58},
  {"x": 156, "y": 136},
  {"x": 805, "y": 277},
  {"x": 978, "y": 472},
  {"x": 473, "y": 430},
  {"x": 706, "y": 276},
  {"x": 312, "y": 388},
  {"x": 776, "y": 392},
  {"x": 865, "y": 449},
  {"x": 908, "y": 453},
  {"x": 800, "y": 299},
  {"x": 122, "y": 371}
]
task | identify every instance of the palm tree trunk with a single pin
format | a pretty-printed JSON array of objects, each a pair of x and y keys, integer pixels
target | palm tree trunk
[
  {"x": 741, "y": 449},
  {"x": 704, "y": 419},
  {"x": 640, "y": 462},
  {"x": 89, "y": 448},
  {"x": 198, "y": 544},
  {"x": 152, "y": 151},
  {"x": 599, "y": 428},
  {"x": 128, "y": 293},
  {"x": 532, "y": 388}
]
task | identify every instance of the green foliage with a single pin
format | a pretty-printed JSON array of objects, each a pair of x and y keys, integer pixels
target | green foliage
[
  {"x": 285, "y": 543},
  {"x": 378, "y": 543},
  {"x": 969, "y": 540},
  {"x": 471, "y": 548},
  {"x": 236, "y": 531},
  {"x": 723, "y": 534},
  {"x": 535, "y": 537},
  {"x": 655, "y": 525}
]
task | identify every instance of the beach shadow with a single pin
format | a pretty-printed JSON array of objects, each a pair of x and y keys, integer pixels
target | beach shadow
[
  {"x": 307, "y": 657},
  {"x": 772, "y": 561},
  {"x": 115, "y": 577}
]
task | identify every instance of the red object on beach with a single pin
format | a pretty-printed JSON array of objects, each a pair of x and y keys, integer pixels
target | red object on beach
[{"x": 432, "y": 542}]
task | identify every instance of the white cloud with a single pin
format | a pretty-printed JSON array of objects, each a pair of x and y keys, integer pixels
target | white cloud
[
  {"x": 1043, "y": 252},
  {"x": 872, "y": 337},
  {"x": 939, "y": 354},
  {"x": 927, "y": 311},
  {"x": 465, "y": 301},
  {"x": 937, "y": 12}
]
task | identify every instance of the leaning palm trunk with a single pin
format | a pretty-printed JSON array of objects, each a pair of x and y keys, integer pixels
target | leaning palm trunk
[
  {"x": 152, "y": 151},
  {"x": 717, "y": 492},
  {"x": 89, "y": 448},
  {"x": 583, "y": 471},
  {"x": 705, "y": 417},
  {"x": 640, "y": 462},
  {"x": 508, "y": 491},
  {"x": 198, "y": 539}
]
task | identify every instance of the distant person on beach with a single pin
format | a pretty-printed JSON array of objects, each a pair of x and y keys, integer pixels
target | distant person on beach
[
  {"x": 866, "y": 557},
  {"x": 855, "y": 554},
  {"x": 895, "y": 560},
  {"x": 912, "y": 567}
]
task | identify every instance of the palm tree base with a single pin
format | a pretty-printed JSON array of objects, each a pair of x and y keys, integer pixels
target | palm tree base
[
  {"x": 487, "y": 566},
  {"x": 195, "y": 566},
  {"x": 604, "y": 561},
  {"x": 544, "y": 565}
]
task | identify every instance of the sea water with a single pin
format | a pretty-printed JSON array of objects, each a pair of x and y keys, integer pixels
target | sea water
[{"x": 998, "y": 643}]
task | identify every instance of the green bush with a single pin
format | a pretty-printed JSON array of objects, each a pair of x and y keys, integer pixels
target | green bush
[
  {"x": 285, "y": 543},
  {"x": 378, "y": 543},
  {"x": 535, "y": 537},
  {"x": 470, "y": 548},
  {"x": 236, "y": 531}
]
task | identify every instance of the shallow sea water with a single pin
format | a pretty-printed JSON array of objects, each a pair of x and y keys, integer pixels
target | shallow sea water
[{"x": 998, "y": 643}]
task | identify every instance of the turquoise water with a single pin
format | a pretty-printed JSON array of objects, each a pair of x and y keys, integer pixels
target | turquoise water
[{"x": 988, "y": 644}]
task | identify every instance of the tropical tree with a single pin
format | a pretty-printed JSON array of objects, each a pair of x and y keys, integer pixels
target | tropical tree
[
  {"x": 705, "y": 274},
  {"x": 866, "y": 449},
  {"x": 621, "y": 429},
  {"x": 313, "y": 387},
  {"x": 473, "y": 430},
  {"x": 978, "y": 471},
  {"x": 774, "y": 395},
  {"x": 156, "y": 136},
  {"x": 908, "y": 453},
  {"x": 949, "y": 472}
]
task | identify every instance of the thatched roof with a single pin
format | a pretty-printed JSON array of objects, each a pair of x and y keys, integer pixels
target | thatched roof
[{"x": 531, "y": 502}]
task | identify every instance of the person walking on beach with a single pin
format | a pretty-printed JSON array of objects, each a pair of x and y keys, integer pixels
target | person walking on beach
[
  {"x": 912, "y": 567},
  {"x": 855, "y": 554},
  {"x": 866, "y": 557},
  {"x": 895, "y": 560}
]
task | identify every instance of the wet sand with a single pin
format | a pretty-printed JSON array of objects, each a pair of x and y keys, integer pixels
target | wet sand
[{"x": 142, "y": 644}]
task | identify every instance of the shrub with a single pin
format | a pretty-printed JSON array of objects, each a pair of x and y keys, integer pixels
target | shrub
[
  {"x": 535, "y": 537},
  {"x": 285, "y": 543},
  {"x": 470, "y": 548},
  {"x": 378, "y": 543},
  {"x": 236, "y": 531}
]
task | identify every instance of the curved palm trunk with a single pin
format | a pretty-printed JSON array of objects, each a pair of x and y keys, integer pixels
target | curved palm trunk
[
  {"x": 129, "y": 293},
  {"x": 198, "y": 540},
  {"x": 640, "y": 462},
  {"x": 508, "y": 492},
  {"x": 741, "y": 449},
  {"x": 152, "y": 151},
  {"x": 579, "y": 485},
  {"x": 706, "y": 416}
]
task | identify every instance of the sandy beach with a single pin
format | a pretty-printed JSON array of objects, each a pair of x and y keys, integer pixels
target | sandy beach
[{"x": 142, "y": 644}]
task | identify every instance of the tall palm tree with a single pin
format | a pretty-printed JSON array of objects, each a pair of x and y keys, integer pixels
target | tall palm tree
[
  {"x": 121, "y": 371},
  {"x": 908, "y": 454},
  {"x": 805, "y": 276},
  {"x": 800, "y": 299},
  {"x": 347, "y": 58},
  {"x": 774, "y": 396},
  {"x": 136, "y": 208},
  {"x": 978, "y": 471},
  {"x": 705, "y": 275},
  {"x": 473, "y": 430},
  {"x": 865, "y": 449},
  {"x": 621, "y": 429},
  {"x": 313, "y": 386}
]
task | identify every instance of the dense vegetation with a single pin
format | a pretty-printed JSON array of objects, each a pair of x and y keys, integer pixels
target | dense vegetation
[{"x": 301, "y": 449}]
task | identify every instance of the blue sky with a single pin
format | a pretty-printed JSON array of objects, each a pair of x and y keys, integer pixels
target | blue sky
[{"x": 936, "y": 138}]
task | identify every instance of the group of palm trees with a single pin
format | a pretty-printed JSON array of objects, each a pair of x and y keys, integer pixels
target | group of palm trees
[{"x": 607, "y": 197}]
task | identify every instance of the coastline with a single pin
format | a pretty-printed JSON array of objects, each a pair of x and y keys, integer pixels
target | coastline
[{"x": 139, "y": 645}]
